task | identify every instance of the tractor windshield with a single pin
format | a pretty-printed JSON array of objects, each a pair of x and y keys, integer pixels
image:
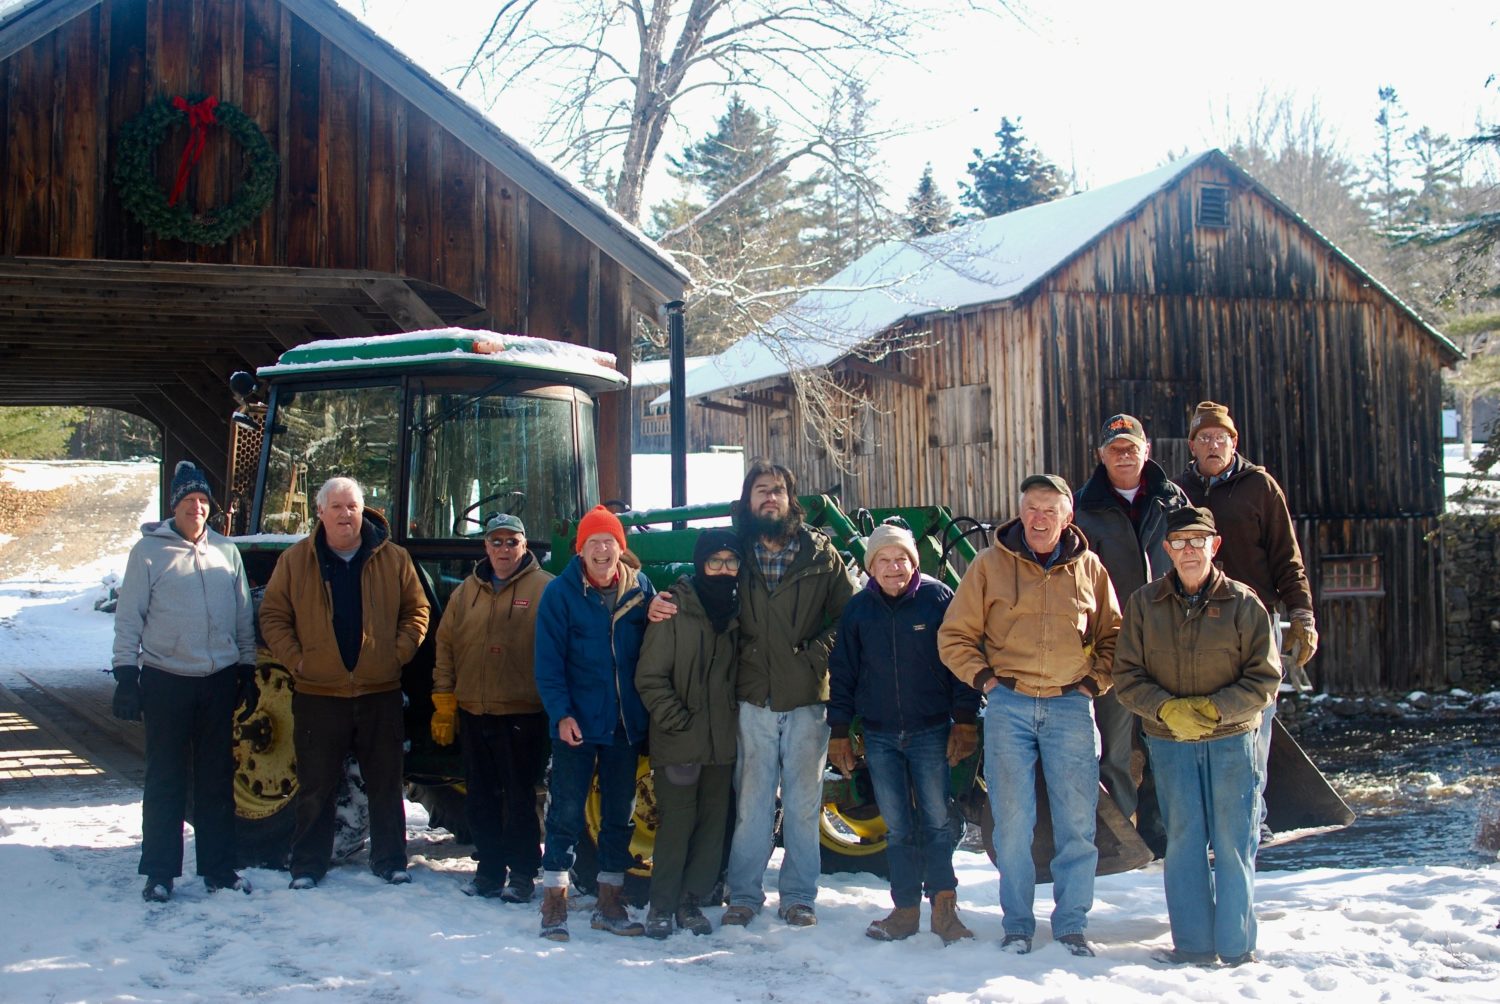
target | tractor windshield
[
  {"x": 329, "y": 432},
  {"x": 476, "y": 454}
]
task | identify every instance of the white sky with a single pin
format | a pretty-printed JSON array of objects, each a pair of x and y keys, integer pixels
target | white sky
[{"x": 1104, "y": 88}]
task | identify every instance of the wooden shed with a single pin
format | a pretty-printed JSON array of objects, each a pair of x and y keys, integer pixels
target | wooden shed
[
  {"x": 390, "y": 205},
  {"x": 709, "y": 427},
  {"x": 1013, "y": 338}
]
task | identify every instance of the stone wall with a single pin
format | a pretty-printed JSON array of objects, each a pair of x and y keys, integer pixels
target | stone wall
[{"x": 1471, "y": 578}]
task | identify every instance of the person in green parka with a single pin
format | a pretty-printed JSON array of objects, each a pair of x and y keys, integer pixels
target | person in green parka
[{"x": 686, "y": 679}]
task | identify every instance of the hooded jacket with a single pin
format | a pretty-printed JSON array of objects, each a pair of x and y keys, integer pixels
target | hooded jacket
[
  {"x": 586, "y": 652},
  {"x": 686, "y": 679},
  {"x": 1221, "y": 649},
  {"x": 1131, "y": 559},
  {"x": 1260, "y": 547},
  {"x": 1041, "y": 631},
  {"x": 296, "y": 616},
  {"x": 486, "y": 641},
  {"x": 787, "y": 633},
  {"x": 885, "y": 665},
  {"x": 184, "y": 607}
]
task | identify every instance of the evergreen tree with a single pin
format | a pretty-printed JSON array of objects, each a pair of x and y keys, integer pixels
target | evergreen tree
[
  {"x": 1439, "y": 174},
  {"x": 928, "y": 210},
  {"x": 37, "y": 433},
  {"x": 1387, "y": 195},
  {"x": 844, "y": 198},
  {"x": 1013, "y": 177}
]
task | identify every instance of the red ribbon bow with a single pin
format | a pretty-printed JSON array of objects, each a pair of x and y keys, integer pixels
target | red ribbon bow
[{"x": 200, "y": 117}]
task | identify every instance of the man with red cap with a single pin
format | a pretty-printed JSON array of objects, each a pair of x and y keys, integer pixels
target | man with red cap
[{"x": 589, "y": 628}]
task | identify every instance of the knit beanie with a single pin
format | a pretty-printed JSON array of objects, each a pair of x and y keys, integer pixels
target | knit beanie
[
  {"x": 599, "y": 520},
  {"x": 1210, "y": 415},
  {"x": 187, "y": 479},
  {"x": 889, "y": 535},
  {"x": 711, "y": 542}
]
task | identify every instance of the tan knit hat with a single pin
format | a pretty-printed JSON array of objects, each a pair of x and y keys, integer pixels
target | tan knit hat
[
  {"x": 1211, "y": 415},
  {"x": 888, "y": 535}
]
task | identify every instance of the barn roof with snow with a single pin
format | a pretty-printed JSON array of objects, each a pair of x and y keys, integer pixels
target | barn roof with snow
[{"x": 984, "y": 262}]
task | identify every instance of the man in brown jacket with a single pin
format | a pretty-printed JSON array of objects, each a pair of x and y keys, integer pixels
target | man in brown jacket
[
  {"x": 1260, "y": 546},
  {"x": 1196, "y": 662},
  {"x": 1033, "y": 626},
  {"x": 344, "y": 611},
  {"x": 484, "y": 688}
]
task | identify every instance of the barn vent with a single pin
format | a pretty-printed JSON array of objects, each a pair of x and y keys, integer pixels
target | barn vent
[{"x": 1213, "y": 206}]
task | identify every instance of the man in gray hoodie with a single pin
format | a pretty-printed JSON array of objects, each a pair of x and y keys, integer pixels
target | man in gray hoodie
[{"x": 184, "y": 655}]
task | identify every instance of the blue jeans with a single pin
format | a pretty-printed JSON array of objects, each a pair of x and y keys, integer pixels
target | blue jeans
[
  {"x": 910, "y": 773},
  {"x": 1208, "y": 794},
  {"x": 568, "y": 789},
  {"x": 786, "y": 749},
  {"x": 1058, "y": 731}
]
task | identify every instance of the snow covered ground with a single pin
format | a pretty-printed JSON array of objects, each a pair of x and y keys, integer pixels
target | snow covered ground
[{"x": 75, "y": 929}]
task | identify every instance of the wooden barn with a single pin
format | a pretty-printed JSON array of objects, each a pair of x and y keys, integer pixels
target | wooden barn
[
  {"x": 714, "y": 425},
  {"x": 341, "y": 191},
  {"x": 997, "y": 349}
]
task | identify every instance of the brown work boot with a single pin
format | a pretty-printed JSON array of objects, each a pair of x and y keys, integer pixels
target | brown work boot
[
  {"x": 610, "y": 913},
  {"x": 903, "y": 922},
  {"x": 945, "y": 922},
  {"x": 555, "y": 913}
]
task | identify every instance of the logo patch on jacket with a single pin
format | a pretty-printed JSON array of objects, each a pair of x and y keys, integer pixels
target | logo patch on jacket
[
  {"x": 518, "y": 602},
  {"x": 919, "y": 627},
  {"x": 1213, "y": 611}
]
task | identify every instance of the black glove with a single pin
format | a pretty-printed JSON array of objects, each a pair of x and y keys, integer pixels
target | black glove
[
  {"x": 127, "y": 702},
  {"x": 249, "y": 694}
]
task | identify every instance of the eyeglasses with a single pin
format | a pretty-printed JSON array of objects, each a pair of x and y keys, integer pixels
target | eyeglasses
[
  {"x": 1201, "y": 543},
  {"x": 1212, "y": 439},
  {"x": 506, "y": 542},
  {"x": 722, "y": 564}
]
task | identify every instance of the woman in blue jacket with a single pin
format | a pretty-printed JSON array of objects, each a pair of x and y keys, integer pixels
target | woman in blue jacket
[
  {"x": 918, "y": 721},
  {"x": 589, "y": 627}
]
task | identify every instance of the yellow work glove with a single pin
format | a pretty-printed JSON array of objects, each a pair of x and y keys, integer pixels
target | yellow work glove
[
  {"x": 1304, "y": 636},
  {"x": 841, "y": 755},
  {"x": 1205, "y": 708},
  {"x": 963, "y": 740},
  {"x": 1186, "y": 722},
  {"x": 444, "y": 718}
]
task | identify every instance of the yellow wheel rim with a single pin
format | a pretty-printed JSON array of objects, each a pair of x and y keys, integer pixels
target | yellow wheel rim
[
  {"x": 856, "y": 832},
  {"x": 265, "y": 773},
  {"x": 646, "y": 817}
]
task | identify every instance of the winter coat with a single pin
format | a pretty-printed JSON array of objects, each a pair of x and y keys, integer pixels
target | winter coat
[
  {"x": 686, "y": 680},
  {"x": 1221, "y": 650},
  {"x": 586, "y": 653},
  {"x": 1131, "y": 559},
  {"x": 885, "y": 665},
  {"x": 486, "y": 642},
  {"x": 1260, "y": 547},
  {"x": 1042, "y": 631},
  {"x": 787, "y": 633},
  {"x": 296, "y": 616},
  {"x": 183, "y": 607}
]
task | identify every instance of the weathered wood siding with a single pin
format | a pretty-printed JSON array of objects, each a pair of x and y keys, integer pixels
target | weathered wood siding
[
  {"x": 651, "y": 431},
  {"x": 367, "y": 181}
]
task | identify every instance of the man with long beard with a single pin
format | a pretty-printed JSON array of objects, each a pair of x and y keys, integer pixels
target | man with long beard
[{"x": 793, "y": 587}]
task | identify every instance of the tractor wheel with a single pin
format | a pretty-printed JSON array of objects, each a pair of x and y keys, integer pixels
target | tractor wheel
[
  {"x": 265, "y": 773},
  {"x": 853, "y": 839},
  {"x": 586, "y": 854},
  {"x": 445, "y": 807}
]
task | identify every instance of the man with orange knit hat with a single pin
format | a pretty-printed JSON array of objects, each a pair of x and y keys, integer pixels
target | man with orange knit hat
[{"x": 589, "y": 628}]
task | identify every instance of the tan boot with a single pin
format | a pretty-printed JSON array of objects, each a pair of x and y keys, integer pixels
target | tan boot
[
  {"x": 945, "y": 922},
  {"x": 610, "y": 913},
  {"x": 903, "y": 922},
  {"x": 555, "y": 913}
]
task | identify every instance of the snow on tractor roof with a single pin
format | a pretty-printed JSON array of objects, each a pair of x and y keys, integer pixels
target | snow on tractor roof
[{"x": 590, "y": 369}]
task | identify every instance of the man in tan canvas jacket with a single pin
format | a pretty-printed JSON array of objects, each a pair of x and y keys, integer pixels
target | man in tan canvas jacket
[
  {"x": 1033, "y": 626},
  {"x": 484, "y": 691},
  {"x": 344, "y": 612}
]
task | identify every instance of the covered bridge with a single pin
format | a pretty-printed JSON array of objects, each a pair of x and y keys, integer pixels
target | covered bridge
[
  {"x": 342, "y": 191},
  {"x": 997, "y": 349}
]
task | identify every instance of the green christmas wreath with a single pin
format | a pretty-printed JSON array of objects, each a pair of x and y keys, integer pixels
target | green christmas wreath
[{"x": 162, "y": 214}]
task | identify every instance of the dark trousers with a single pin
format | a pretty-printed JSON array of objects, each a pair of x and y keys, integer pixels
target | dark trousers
[
  {"x": 189, "y": 740},
  {"x": 504, "y": 759},
  {"x": 689, "y": 847},
  {"x": 327, "y": 729}
]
